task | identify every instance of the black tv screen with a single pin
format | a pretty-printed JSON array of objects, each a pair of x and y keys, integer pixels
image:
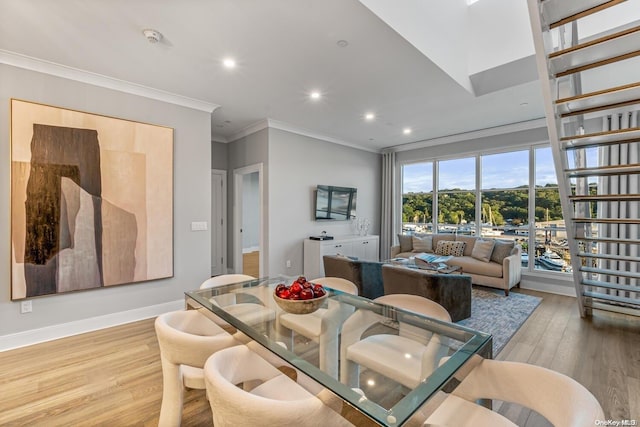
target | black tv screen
[{"x": 335, "y": 203}]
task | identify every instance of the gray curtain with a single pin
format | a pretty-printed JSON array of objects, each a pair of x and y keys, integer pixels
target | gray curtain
[
  {"x": 622, "y": 154},
  {"x": 388, "y": 211}
]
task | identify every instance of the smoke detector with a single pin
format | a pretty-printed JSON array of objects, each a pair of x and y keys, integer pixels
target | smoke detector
[{"x": 153, "y": 36}]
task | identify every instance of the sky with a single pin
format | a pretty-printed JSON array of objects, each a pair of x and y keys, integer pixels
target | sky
[{"x": 504, "y": 170}]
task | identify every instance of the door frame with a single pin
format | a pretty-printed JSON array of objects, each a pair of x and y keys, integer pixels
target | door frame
[
  {"x": 237, "y": 215},
  {"x": 223, "y": 243}
]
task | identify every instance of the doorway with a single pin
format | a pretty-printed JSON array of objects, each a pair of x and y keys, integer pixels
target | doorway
[
  {"x": 248, "y": 214},
  {"x": 218, "y": 222}
]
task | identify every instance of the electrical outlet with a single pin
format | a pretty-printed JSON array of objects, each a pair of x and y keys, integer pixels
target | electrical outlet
[
  {"x": 26, "y": 307},
  {"x": 288, "y": 263}
]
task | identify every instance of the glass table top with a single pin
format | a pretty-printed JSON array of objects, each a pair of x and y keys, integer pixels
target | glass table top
[{"x": 384, "y": 361}]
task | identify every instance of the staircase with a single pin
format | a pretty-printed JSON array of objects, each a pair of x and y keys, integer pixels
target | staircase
[{"x": 591, "y": 89}]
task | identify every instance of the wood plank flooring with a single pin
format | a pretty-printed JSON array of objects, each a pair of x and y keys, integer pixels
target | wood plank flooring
[{"x": 113, "y": 377}]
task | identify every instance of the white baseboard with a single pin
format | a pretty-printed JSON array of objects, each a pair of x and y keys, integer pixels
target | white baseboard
[
  {"x": 49, "y": 333},
  {"x": 550, "y": 288}
]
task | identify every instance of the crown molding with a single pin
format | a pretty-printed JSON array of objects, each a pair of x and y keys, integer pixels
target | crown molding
[
  {"x": 287, "y": 127},
  {"x": 248, "y": 130},
  {"x": 275, "y": 124},
  {"x": 58, "y": 70},
  {"x": 466, "y": 136}
]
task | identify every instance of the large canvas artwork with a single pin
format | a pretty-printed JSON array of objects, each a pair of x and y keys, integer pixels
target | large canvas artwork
[{"x": 91, "y": 201}]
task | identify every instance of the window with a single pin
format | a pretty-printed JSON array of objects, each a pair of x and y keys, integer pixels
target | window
[
  {"x": 505, "y": 194},
  {"x": 456, "y": 195},
  {"x": 506, "y": 198},
  {"x": 417, "y": 198}
]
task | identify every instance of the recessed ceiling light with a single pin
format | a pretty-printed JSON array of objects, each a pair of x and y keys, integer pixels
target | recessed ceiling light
[
  {"x": 342, "y": 43},
  {"x": 315, "y": 95},
  {"x": 406, "y": 131},
  {"x": 229, "y": 63},
  {"x": 524, "y": 104},
  {"x": 369, "y": 116}
]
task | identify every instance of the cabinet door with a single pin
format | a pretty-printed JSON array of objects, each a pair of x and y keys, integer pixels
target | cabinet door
[
  {"x": 371, "y": 250},
  {"x": 366, "y": 248},
  {"x": 335, "y": 248}
]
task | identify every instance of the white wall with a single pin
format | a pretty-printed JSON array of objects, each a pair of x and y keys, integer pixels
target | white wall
[
  {"x": 437, "y": 28},
  {"x": 192, "y": 200},
  {"x": 499, "y": 32},
  {"x": 297, "y": 164}
]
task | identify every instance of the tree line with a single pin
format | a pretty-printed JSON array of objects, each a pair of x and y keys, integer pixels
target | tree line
[{"x": 499, "y": 207}]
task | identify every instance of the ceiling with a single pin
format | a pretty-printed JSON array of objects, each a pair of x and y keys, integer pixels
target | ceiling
[{"x": 284, "y": 49}]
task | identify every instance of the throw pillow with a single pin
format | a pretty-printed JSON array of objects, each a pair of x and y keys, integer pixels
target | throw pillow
[
  {"x": 501, "y": 250},
  {"x": 422, "y": 244},
  {"x": 483, "y": 249},
  {"x": 449, "y": 248},
  {"x": 406, "y": 244}
]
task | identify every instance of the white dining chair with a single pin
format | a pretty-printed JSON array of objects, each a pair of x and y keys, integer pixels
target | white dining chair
[
  {"x": 248, "y": 312},
  {"x": 276, "y": 401},
  {"x": 560, "y": 399},
  {"x": 186, "y": 339},
  {"x": 323, "y": 325},
  {"x": 407, "y": 358}
]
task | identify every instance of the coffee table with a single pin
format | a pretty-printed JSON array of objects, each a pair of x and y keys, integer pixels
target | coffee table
[{"x": 438, "y": 266}]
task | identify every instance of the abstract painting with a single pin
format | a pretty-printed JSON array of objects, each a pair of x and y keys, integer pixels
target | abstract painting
[{"x": 91, "y": 201}]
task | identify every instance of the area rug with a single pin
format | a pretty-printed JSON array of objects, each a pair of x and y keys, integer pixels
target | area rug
[{"x": 498, "y": 315}]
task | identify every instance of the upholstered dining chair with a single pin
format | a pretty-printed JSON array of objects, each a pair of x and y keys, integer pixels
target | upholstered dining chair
[
  {"x": 277, "y": 400},
  {"x": 186, "y": 338},
  {"x": 408, "y": 358},
  {"x": 322, "y": 326},
  {"x": 248, "y": 312},
  {"x": 561, "y": 400}
]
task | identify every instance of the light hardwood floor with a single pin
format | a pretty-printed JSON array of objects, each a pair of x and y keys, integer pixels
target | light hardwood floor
[{"x": 113, "y": 377}]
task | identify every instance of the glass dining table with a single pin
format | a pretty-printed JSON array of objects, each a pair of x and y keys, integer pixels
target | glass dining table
[{"x": 384, "y": 365}]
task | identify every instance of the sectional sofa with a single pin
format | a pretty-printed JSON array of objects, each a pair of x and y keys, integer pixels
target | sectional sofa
[{"x": 490, "y": 262}]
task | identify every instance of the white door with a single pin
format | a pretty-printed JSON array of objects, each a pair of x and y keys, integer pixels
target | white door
[{"x": 218, "y": 222}]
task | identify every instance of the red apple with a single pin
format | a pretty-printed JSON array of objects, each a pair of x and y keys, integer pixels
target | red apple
[
  {"x": 320, "y": 292},
  {"x": 306, "y": 293},
  {"x": 295, "y": 288},
  {"x": 280, "y": 287},
  {"x": 301, "y": 279},
  {"x": 285, "y": 294},
  {"x": 294, "y": 296},
  {"x": 307, "y": 285}
]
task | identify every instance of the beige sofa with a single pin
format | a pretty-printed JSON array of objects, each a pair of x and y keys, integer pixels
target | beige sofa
[{"x": 494, "y": 262}]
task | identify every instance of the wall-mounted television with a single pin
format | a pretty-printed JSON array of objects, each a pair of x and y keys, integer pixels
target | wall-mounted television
[{"x": 335, "y": 203}]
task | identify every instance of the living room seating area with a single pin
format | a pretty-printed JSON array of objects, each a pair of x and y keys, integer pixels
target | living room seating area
[{"x": 490, "y": 262}]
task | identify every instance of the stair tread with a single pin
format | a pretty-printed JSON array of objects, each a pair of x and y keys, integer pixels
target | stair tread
[
  {"x": 606, "y": 136},
  {"x": 603, "y": 171},
  {"x": 610, "y": 272},
  {"x": 608, "y": 285},
  {"x": 607, "y": 220},
  {"x": 604, "y": 197},
  {"x": 559, "y": 12},
  {"x": 608, "y": 256},
  {"x": 598, "y": 100},
  {"x": 609, "y": 240},
  {"x": 605, "y": 61},
  {"x": 608, "y": 297},
  {"x": 595, "y": 51}
]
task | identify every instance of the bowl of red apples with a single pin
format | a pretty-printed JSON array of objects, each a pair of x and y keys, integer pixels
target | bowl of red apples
[{"x": 300, "y": 297}]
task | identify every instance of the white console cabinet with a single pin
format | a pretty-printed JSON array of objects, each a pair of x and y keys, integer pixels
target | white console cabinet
[{"x": 366, "y": 248}]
